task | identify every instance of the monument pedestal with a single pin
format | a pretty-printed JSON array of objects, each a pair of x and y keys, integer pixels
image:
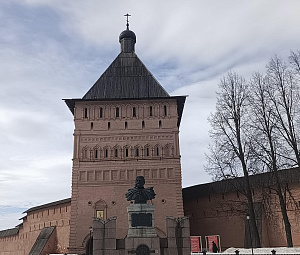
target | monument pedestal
[
  {"x": 142, "y": 237},
  {"x": 141, "y": 220}
]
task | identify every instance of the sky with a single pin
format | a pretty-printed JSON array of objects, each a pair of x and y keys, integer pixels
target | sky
[{"x": 55, "y": 49}]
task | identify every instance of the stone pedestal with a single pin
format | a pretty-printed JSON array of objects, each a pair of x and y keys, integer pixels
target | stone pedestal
[
  {"x": 141, "y": 220},
  {"x": 142, "y": 237}
]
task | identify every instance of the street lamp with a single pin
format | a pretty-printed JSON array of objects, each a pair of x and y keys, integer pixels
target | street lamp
[
  {"x": 248, "y": 220},
  {"x": 91, "y": 243}
]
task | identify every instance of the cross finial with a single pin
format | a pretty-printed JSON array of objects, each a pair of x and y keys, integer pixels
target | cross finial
[{"x": 127, "y": 24}]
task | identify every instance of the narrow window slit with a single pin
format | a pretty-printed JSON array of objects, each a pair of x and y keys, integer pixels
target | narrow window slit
[
  {"x": 117, "y": 112},
  {"x": 85, "y": 113},
  {"x": 134, "y": 112},
  {"x": 101, "y": 113}
]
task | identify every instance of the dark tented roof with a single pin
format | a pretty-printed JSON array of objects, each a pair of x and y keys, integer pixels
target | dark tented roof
[
  {"x": 237, "y": 184},
  {"x": 67, "y": 200},
  {"x": 9, "y": 232},
  {"x": 126, "y": 77},
  {"x": 41, "y": 241}
]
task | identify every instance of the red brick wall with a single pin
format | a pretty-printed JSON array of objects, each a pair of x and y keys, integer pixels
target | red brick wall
[
  {"x": 224, "y": 215},
  {"x": 96, "y": 177},
  {"x": 22, "y": 243}
]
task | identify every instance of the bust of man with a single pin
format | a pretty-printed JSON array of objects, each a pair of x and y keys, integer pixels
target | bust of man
[{"x": 139, "y": 194}]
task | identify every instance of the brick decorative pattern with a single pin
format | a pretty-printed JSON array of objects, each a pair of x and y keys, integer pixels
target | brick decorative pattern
[{"x": 111, "y": 148}]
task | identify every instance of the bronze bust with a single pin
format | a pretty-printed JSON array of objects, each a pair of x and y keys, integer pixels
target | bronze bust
[{"x": 139, "y": 194}]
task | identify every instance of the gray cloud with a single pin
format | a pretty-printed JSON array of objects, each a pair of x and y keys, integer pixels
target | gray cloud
[{"x": 55, "y": 49}]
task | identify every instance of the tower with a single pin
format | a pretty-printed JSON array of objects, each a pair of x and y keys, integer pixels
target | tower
[{"x": 126, "y": 125}]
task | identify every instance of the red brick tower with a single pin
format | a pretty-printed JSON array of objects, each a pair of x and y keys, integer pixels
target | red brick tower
[{"x": 126, "y": 125}]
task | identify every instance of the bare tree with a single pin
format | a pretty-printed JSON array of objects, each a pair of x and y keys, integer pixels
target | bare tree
[
  {"x": 267, "y": 144},
  {"x": 231, "y": 141},
  {"x": 284, "y": 94}
]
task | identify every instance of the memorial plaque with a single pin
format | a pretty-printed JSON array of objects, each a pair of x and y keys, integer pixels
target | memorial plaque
[{"x": 141, "y": 220}]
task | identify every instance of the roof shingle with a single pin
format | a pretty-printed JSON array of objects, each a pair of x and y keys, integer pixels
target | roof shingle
[{"x": 126, "y": 77}]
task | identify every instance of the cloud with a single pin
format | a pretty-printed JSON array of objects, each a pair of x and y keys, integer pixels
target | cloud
[
  {"x": 55, "y": 49},
  {"x": 11, "y": 218}
]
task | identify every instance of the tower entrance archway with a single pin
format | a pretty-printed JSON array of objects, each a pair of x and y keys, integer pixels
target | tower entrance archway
[{"x": 89, "y": 247}]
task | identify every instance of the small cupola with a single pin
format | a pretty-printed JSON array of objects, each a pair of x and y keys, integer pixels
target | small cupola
[{"x": 127, "y": 39}]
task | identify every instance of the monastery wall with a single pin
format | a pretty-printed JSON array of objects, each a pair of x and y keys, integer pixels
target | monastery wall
[
  {"x": 224, "y": 214},
  {"x": 22, "y": 241}
]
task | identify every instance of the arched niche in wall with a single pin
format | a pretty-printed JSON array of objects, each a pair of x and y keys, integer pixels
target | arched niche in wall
[{"x": 100, "y": 209}]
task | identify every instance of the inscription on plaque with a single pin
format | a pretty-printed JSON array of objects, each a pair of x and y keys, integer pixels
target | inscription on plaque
[{"x": 141, "y": 220}]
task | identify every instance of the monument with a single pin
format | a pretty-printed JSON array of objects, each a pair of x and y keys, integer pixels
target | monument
[
  {"x": 139, "y": 194},
  {"x": 142, "y": 238},
  {"x": 141, "y": 232}
]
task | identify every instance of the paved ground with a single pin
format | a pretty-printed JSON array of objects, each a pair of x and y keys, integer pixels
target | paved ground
[{"x": 279, "y": 250}]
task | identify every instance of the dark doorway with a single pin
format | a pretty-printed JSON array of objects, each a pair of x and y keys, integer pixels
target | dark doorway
[{"x": 89, "y": 247}]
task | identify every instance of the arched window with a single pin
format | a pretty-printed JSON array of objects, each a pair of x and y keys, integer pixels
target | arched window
[
  {"x": 159, "y": 124},
  {"x": 157, "y": 150},
  {"x": 137, "y": 152},
  {"x": 100, "y": 209},
  {"x": 143, "y": 124},
  {"x": 92, "y": 125},
  {"x": 108, "y": 125},
  {"x": 105, "y": 153},
  {"x": 147, "y": 151},
  {"x": 168, "y": 150},
  {"x": 85, "y": 152},
  {"x": 96, "y": 153},
  {"x": 126, "y": 125},
  {"x": 150, "y": 111},
  {"x": 116, "y": 152},
  {"x": 85, "y": 113},
  {"x": 126, "y": 152}
]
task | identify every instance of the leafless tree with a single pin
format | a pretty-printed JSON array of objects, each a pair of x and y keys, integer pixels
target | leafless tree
[
  {"x": 268, "y": 146},
  {"x": 256, "y": 129},
  {"x": 284, "y": 93},
  {"x": 231, "y": 149}
]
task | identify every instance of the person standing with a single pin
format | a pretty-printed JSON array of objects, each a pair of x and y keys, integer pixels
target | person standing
[{"x": 214, "y": 247}]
